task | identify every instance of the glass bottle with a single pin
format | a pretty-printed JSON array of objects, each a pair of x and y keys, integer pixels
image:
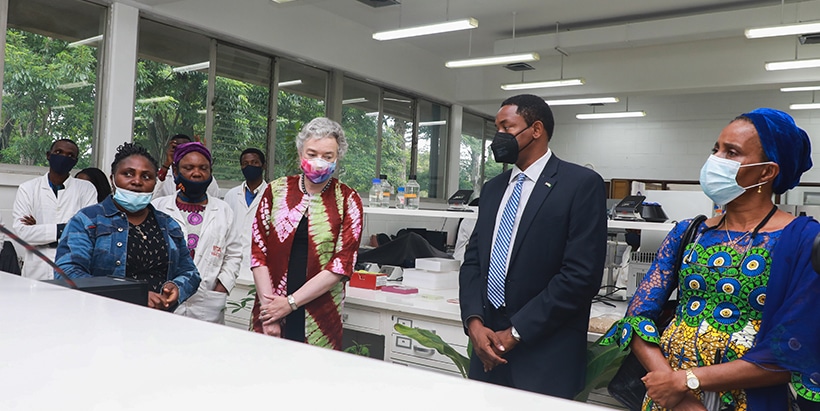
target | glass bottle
[
  {"x": 400, "y": 197},
  {"x": 387, "y": 191},
  {"x": 411, "y": 193},
  {"x": 375, "y": 197}
]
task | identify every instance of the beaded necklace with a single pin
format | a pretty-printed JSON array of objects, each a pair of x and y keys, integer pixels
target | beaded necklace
[{"x": 304, "y": 189}]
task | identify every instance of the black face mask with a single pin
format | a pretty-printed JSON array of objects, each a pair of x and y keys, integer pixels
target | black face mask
[
  {"x": 251, "y": 173},
  {"x": 60, "y": 164},
  {"x": 192, "y": 191},
  {"x": 505, "y": 147}
]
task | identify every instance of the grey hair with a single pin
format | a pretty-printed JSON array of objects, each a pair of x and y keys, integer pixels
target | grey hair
[{"x": 319, "y": 128}]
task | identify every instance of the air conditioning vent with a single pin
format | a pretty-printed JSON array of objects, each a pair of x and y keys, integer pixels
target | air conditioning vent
[
  {"x": 517, "y": 66},
  {"x": 379, "y": 3}
]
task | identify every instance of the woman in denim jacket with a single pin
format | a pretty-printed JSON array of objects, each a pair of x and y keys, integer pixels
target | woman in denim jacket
[{"x": 125, "y": 236}]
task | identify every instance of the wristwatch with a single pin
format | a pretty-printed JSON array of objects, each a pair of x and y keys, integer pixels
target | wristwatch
[
  {"x": 515, "y": 334},
  {"x": 692, "y": 381},
  {"x": 292, "y": 302}
]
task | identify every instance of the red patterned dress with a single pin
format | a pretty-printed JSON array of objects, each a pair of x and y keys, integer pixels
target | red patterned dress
[{"x": 334, "y": 232}]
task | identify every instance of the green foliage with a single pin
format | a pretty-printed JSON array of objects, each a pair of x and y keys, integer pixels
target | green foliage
[
  {"x": 602, "y": 364},
  {"x": 243, "y": 303},
  {"x": 430, "y": 340},
  {"x": 359, "y": 349}
]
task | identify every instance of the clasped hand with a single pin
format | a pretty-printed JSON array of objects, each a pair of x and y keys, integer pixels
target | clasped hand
[
  {"x": 668, "y": 389},
  {"x": 273, "y": 308},
  {"x": 169, "y": 296},
  {"x": 489, "y": 345}
]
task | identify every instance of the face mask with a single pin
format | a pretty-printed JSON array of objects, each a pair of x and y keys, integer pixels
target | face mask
[
  {"x": 317, "y": 170},
  {"x": 251, "y": 173},
  {"x": 61, "y": 164},
  {"x": 718, "y": 179},
  {"x": 505, "y": 147},
  {"x": 132, "y": 201},
  {"x": 192, "y": 191}
]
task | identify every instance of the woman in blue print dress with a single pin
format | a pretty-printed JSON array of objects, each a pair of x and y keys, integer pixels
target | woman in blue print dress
[{"x": 743, "y": 336}]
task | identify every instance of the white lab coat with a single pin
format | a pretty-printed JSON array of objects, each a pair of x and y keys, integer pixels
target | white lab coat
[
  {"x": 217, "y": 256},
  {"x": 167, "y": 187},
  {"x": 244, "y": 215},
  {"x": 35, "y": 198}
]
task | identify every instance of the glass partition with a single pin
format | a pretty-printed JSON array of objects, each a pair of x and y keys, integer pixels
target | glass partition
[
  {"x": 50, "y": 78},
  {"x": 360, "y": 116},
  {"x": 431, "y": 165},
  {"x": 398, "y": 113}
]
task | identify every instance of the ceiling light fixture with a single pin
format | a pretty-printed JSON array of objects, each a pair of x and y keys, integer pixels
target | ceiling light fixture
[
  {"x": 85, "y": 42},
  {"x": 782, "y": 30},
  {"x": 804, "y": 106},
  {"x": 582, "y": 101},
  {"x": 561, "y": 82},
  {"x": 69, "y": 86},
  {"x": 354, "y": 100},
  {"x": 432, "y": 123},
  {"x": 154, "y": 99},
  {"x": 618, "y": 114},
  {"x": 792, "y": 64},
  {"x": 290, "y": 83},
  {"x": 446, "y": 27},
  {"x": 804, "y": 88},
  {"x": 192, "y": 67},
  {"x": 494, "y": 60}
]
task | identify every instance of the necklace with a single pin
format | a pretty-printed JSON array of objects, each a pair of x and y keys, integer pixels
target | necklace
[
  {"x": 304, "y": 189},
  {"x": 139, "y": 230},
  {"x": 191, "y": 208}
]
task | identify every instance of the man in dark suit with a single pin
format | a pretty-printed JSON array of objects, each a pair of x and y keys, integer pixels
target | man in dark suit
[{"x": 534, "y": 261}]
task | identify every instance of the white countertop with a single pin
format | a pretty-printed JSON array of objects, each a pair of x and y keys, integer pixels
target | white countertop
[
  {"x": 430, "y": 303},
  {"x": 66, "y": 349},
  {"x": 420, "y": 213},
  {"x": 639, "y": 225}
]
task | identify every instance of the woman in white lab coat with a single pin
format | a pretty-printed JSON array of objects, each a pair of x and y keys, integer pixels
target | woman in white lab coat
[{"x": 208, "y": 225}]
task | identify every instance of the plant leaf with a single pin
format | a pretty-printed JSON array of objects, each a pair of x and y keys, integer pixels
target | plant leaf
[{"x": 430, "y": 340}]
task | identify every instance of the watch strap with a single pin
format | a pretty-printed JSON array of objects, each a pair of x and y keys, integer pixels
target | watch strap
[{"x": 292, "y": 302}]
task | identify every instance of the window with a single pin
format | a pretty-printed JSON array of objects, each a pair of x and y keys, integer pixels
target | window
[
  {"x": 172, "y": 85},
  {"x": 241, "y": 108},
  {"x": 398, "y": 112},
  {"x": 476, "y": 164},
  {"x": 302, "y": 94},
  {"x": 49, "y": 86},
  {"x": 360, "y": 116},
  {"x": 431, "y": 165}
]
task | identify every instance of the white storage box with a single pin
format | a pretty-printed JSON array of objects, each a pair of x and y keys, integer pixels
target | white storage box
[
  {"x": 438, "y": 264},
  {"x": 430, "y": 280}
]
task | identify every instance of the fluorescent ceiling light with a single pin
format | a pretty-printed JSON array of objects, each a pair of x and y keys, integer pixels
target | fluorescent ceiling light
[
  {"x": 805, "y": 88},
  {"x": 85, "y": 42},
  {"x": 398, "y": 100},
  {"x": 192, "y": 67},
  {"x": 154, "y": 99},
  {"x": 544, "y": 84},
  {"x": 432, "y": 123},
  {"x": 372, "y": 114},
  {"x": 354, "y": 100},
  {"x": 806, "y": 106},
  {"x": 62, "y": 107},
  {"x": 282, "y": 1},
  {"x": 69, "y": 86},
  {"x": 618, "y": 114},
  {"x": 446, "y": 27},
  {"x": 783, "y": 30},
  {"x": 582, "y": 101},
  {"x": 792, "y": 64},
  {"x": 202, "y": 111},
  {"x": 290, "y": 83},
  {"x": 494, "y": 60}
]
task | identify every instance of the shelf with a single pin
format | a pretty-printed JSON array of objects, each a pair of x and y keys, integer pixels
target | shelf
[{"x": 420, "y": 213}]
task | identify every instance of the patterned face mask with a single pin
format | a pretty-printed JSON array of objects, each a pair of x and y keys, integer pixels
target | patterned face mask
[{"x": 318, "y": 170}]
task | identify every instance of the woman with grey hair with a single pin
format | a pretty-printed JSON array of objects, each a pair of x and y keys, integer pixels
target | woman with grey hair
[{"x": 304, "y": 243}]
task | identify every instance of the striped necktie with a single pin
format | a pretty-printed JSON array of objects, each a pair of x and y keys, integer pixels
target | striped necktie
[{"x": 498, "y": 256}]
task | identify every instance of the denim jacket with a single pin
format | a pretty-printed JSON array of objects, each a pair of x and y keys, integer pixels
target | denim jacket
[{"x": 95, "y": 242}]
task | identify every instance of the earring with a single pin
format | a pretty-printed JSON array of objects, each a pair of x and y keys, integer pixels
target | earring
[{"x": 759, "y": 189}]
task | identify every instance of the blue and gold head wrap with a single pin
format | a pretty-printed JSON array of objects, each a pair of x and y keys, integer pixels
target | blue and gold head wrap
[{"x": 784, "y": 143}]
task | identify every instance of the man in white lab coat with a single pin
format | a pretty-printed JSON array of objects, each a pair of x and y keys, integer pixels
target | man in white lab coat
[
  {"x": 208, "y": 225},
  {"x": 244, "y": 199},
  {"x": 43, "y": 205}
]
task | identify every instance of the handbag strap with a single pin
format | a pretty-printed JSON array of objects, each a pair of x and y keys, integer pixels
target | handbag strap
[{"x": 687, "y": 238}]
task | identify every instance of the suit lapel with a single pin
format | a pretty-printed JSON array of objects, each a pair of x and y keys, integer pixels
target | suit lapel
[{"x": 543, "y": 188}]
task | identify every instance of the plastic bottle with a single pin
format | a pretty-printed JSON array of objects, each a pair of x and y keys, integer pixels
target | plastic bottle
[
  {"x": 387, "y": 191},
  {"x": 411, "y": 193},
  {"x": 375, "y": 199},
  {"x": 400, "y": 197}
]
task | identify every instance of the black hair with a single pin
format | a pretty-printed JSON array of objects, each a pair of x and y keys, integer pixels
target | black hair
[
  {"x": 100, "y": 181},
  {"x": 67, "y": 140},
  {"x": 253, "y": 151},
  {"x": 130, "y": 149},
  {"x": 533, "y": 108},
  {"x": 181, "y": 136}
]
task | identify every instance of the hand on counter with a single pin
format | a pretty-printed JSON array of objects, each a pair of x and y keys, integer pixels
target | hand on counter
[{"x": 486, "y": 344}]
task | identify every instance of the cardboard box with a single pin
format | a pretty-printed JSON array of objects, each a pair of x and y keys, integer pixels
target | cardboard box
[
  {"x": 438, "y": 264},
  {"x": 368, "y": 280}
]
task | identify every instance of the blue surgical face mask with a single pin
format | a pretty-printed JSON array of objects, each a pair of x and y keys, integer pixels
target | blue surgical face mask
[
  {"x": 718, "y": 179},
  {"x": 132, "y": 201}
]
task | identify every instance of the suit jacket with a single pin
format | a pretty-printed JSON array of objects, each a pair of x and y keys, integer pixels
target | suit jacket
[{"x": 555, "y": 269}]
